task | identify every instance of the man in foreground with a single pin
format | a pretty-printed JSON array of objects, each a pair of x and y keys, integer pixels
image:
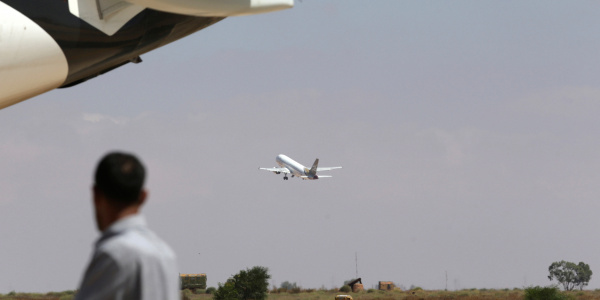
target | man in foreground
[{"x": 129, "y": 260}]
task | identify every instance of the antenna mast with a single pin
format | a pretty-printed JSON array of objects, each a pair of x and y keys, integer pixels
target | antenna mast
[{"x": 356, "y": 260}]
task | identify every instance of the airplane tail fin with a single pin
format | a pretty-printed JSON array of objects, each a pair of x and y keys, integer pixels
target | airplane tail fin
[{"x": 313, "y": 171}]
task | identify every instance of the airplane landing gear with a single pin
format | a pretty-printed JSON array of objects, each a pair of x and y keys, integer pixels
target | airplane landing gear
[{"x": 285, "y": 177}]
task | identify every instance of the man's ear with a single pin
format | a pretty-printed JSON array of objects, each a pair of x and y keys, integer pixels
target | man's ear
[
  {"x": 95, "y": 193},
  {"x": 143, "y": 197}
]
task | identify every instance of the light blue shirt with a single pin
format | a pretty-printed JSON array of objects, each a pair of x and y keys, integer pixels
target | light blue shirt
[{"x": 130, "y": 262}]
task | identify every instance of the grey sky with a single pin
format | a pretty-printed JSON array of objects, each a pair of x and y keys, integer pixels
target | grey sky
[{"x": 467, "y": 130}]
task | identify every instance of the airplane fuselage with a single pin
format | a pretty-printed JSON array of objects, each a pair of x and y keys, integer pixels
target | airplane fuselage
[{"x": 296, "y": 169}]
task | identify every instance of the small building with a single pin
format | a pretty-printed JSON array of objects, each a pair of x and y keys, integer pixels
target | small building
[
  {"x": 386, "y": 286},
  {"x": 192, "y": 281}
]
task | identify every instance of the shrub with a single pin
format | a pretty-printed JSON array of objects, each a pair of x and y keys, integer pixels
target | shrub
[
  {"x": 186, "y": 294},
  {"x": 211, "y": 290},
  {"x": 288, "y": 285},
  {"x": 226, "y": 291},
  {"x": 345, "y": 289},
  {"x": 247, "y": 284},
  {"x": 543, "y": 293}
]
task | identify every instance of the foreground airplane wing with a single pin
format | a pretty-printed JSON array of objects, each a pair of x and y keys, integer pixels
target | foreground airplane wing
[
  {"x": 61, "y": 43},
  {"x": 327, "y": 169},
  {"x": 109, "y": 16}
]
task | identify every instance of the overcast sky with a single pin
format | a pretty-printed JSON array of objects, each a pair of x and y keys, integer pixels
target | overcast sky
[{"x": 468, "y": 132}]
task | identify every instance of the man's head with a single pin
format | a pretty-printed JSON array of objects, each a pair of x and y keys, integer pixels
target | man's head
[{"x": 118, "y": 188}]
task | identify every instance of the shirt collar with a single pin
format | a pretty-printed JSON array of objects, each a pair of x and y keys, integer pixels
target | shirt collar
[{"x": 133, "y": 221}]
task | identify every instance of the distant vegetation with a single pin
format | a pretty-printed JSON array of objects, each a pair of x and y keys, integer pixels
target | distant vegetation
[
  {"x": 66, "y": 295},
  {"x": 252, "y": 284},
  {"x": 418, "y": 294},
  {"x": 532, "y": 293}
]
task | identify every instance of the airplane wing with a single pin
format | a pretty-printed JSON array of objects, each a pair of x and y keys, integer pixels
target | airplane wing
[
  {"x": 277, "y": 170},
  {"x": 320, "y": 176},
  {"x": 109, "y": 16},
  {"x": 327, "y": 169}
]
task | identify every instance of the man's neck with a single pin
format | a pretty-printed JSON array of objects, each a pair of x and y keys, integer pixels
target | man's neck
[
  {"x": 126, "y": 212},
  {"x": 123, "y": 213}
]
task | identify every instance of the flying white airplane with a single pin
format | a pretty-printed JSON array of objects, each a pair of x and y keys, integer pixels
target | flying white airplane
[{"x": 290, "y": 166}]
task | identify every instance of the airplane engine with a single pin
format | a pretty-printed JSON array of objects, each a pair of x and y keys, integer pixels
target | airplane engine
[
  {"x": 277, "y": 172},
  {"x": 31, "y": 62},
  {"x": 215, "y": 8}
]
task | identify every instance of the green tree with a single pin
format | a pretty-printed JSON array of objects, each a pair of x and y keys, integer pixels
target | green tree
[
  {"x": 584, "y": 274},
  {"x": 226, "y": 291},
  {"x": 249, "y": 284},
  {"x": 570, "y": 275},
  {"x": 252, "y": 284}
]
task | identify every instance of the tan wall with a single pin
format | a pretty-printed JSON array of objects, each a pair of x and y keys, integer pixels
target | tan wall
[
  {"x": 357, "y": 287},
  {"x": 386, "y": 285}
]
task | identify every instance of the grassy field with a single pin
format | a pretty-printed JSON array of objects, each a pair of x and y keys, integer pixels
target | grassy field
[{"x": 472, "y": 294}]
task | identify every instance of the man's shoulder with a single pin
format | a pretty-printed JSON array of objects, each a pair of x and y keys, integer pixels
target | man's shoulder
[{"x": 135, "y": 243}]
